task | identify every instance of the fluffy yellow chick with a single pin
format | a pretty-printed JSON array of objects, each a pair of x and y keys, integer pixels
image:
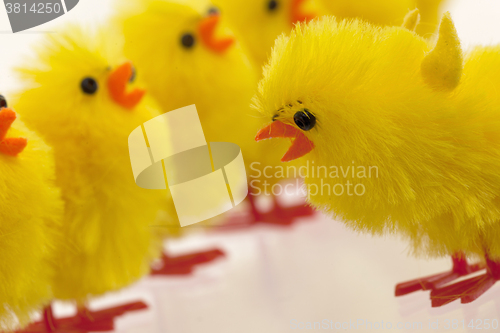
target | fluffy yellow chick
[
  {"x": 188, "y": 56},
  {"x": 400, "y": 136},
  {"x": 387, "y": 12},
  {"x": 84, "y": 102},
  {"x": 30, "y": 214},
  {"x": 258, "y": 23}
]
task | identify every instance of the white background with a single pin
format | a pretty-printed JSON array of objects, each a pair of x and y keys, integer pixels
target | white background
[{"x": 313, "y": 271}]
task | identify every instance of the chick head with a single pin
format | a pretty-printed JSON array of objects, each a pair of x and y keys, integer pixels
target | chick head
[
  {"x": 178, "y": 46},
  {"x": 30, "y": 212},
  {"x": 258, "y": 23},
  {"x": 79, "y": 88},
  {"x": 340, "y": 89}
]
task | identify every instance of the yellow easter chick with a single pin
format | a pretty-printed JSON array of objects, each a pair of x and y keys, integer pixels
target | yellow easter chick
[
  {"x": 85, "y": 103},
  {"x": 188, "y": 56},
  {"x": 257, "y": 23},
  {"x": 402, "y": 137},
  {"x": 387, "y": 12},
  {"x": 30, "y": 213}
]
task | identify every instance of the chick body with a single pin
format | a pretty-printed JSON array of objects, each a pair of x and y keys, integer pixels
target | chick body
[
  {"x": 107, "y": 219},
  {"x": 387, "y": 12},
  {"x": 258, "y": 23},
  {"x": 30, "y": 215},
  {"x": 436, "y": 150},
  {"x": 221, "y": 83}
]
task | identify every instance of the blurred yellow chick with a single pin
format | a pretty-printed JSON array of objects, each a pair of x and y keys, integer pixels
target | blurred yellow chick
[
  {"x": 400, "y": 136},
  {"x": 387, "y": 12},
  {"x": 257, "y": 23},
  {"x": 30, "y": 214},
  {"x": 84, "y": 102},
  {"x": 185, "y": 59},
  {"x": 188, "y": 58}
]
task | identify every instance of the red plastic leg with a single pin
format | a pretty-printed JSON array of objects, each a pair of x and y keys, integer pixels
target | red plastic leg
[
  {"x": 285, "y": 215},
  {"x": 460, "y": 268},
  {"x": 48, "y": 319},
  {"x": 84, "y": 321},
  {"x": 279, "y": 215},
  {"x": 185, "y": 264},
  {"x": 468, "y": 290}
]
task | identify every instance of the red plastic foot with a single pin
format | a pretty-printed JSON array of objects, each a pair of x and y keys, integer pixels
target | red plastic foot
[
  {"x": 460, "y": 268},
  {"x": 84, "y": 321},
  {"x": 183, "y": 265},
  {"x": 284, "y": 216},
  {"x": 279, "y": 215},
  {"x": 448, "y": 294},
  {"x": 468, "y": 290}
]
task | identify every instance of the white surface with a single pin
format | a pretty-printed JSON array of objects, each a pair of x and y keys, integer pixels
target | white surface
[
  {"x": 313, "y": 271},
  {"x": 316, "y": 270}
]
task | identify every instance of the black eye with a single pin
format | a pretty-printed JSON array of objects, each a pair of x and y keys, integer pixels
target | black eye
[
  {"x": 3, "y": 102},
  {"x": 134, "y": 74},
  {"x": 304, "y": 120},
  {"x": 187, "y": 40},
  {"x": 272, "y": 5},
  {"x": 89, "y": 86},
  {"x": 213, "y": 11}
]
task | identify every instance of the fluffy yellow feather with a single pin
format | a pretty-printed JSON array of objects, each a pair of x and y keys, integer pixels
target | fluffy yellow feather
[
  {"x": 387, "y": 12},
  {"x": 433, "y": 140},
  {"x": 258, "y": 23},
  {"x": 30, "y": 214},
  {"x": 77, "y": 97},
  {"x": 221, "y": 82}
]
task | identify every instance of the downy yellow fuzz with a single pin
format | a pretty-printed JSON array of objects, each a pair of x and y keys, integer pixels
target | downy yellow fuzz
[
  {"x": 388, "y": 12},
  {"x": 81, "y": 96},
  {"x": 257, "y": 23},
  {"x": 185, "y": 59},
  {"x": 412, "y": 129},
  {"x": 30, "y": 213}
]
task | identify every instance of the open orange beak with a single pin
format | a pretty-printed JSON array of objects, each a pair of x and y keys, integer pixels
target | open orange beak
[
  {"x": 206, "y": 30},
  {"x": 117, "y": 85},
  {"x": 9, "y": 146},
  {"x": 301, "y": 145},
  {"x": 298, "y": 14}
]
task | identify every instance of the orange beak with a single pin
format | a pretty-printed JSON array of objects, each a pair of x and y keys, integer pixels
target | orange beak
[
  {"x": 9, "y": 146},
  {"x": 301, "y": 145},
  {"x": 297, "y": 13},
  {"x": 206, "y": 30},
  {"x": 117, "y": 85}
]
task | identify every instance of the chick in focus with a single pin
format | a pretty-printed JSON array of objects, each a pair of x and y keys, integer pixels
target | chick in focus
[
  {"x": 189, "y": 54},
  {"x": 30, "y": 214},
  {"x": 388, "y": 12},
  {"x": 84, "y": 102},
  {"x": 417, "y": 125},
  {"x": 258, "y": 23}
]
